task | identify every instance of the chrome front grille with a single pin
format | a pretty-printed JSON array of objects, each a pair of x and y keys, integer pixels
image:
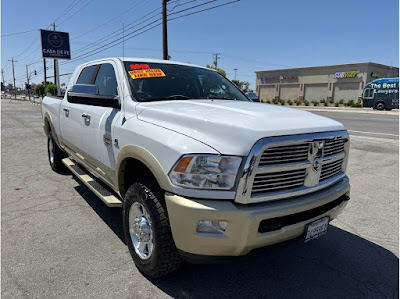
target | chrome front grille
[
  {"x": 287, "y": 166},
  {"x": 278, "y": 181},
  {"x": 332, "y": 147},
  {"x": 284, "y": 154},
  {"x": 330, "y": 169}
]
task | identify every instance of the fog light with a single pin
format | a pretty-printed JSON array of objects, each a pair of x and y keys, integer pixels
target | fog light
[{"x": 214, "y": 227}]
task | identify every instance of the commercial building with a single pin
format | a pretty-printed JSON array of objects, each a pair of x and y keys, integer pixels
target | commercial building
[{"x": 332, "y": 82}]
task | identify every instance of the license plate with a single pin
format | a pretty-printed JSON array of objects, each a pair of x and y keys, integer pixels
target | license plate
[{"x": 316, "y": 229}]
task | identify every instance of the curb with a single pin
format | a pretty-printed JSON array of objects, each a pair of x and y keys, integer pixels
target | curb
[
  {"x": 24, "y": 101},
  {"x": 349, "y": 110}
]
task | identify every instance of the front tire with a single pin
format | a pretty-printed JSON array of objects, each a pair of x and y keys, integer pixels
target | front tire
[
  {"x": 148, "y": 232},
  {"x": 380, "y": 106},
  {"x": 55, "y": 154}
]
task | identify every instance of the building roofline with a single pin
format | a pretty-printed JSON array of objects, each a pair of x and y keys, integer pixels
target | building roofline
[{"x": 328, "y": 66}]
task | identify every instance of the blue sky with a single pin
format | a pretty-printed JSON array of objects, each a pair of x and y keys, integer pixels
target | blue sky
[{"x": 250, "y": 35}]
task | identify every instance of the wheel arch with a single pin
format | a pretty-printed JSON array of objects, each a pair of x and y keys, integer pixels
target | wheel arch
[
  {"x": 48, "y": 126},
  {"x": 135, "y": 163}
]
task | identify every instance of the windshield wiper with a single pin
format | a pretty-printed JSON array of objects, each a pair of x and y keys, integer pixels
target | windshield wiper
[{"x": 173, "y": 97}]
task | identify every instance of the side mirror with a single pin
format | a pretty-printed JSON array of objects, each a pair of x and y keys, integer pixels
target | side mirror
[
  {"x": 88, "y": 94},
  {"x": 84, "y": 88}
]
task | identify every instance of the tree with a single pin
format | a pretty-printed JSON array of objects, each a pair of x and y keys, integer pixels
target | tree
[
  {"x": 219, "y": 70},
  {"x": 39, "y": 89},
  {"x": 243, "y": 85},
  {"x": 52, "y": 89}
]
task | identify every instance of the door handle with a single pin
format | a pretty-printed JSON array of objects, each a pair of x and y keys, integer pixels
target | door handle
[
  {"x": 66, "y": 110},
  {"x": 85, "y": 115}
]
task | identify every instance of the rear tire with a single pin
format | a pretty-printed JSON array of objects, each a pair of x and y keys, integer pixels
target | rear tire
[
  {"x": 55, "y": 154},
  {"x": 380, "y": 106},
  {"x": 149, "y": 225}
]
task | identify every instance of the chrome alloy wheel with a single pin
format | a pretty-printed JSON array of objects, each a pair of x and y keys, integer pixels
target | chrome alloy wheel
[
  {"x": 140, "y": 230},
  {"x": 51, "y": 151}
]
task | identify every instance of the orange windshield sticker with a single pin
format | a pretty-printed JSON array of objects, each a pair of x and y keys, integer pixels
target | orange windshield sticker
[{"x": 151, "y": 73}]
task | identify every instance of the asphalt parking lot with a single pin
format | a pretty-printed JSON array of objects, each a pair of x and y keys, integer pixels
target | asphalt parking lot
[{"x": 60, "y": 241}]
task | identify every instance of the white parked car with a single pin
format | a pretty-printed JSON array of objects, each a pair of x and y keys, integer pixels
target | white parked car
[{"x": 198, "y": 169}]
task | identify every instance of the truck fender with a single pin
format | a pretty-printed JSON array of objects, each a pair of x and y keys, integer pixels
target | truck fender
[
  {"x": 145, "y": 157},
  {"x": 48, "y": 126}
]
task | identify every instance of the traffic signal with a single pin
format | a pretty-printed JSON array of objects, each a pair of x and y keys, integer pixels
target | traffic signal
[{"x": 35, "y": 73}]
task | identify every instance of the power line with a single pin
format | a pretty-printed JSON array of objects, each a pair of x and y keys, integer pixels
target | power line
[
  {"x": 104, "y": 39},
  {"x": 18, "y": 33},
  {"x": 67, "y": 9},
  {"x": 75, "y": 13},
  {"x": 199, "y": 11},
  {"x": 109, "y": 21},
  {"x": 116, "y": 41},
  {"x": 192, "y": 7}
]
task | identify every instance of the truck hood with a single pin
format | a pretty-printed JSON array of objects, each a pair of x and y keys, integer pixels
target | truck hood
[{"x": 232, "y": 127}]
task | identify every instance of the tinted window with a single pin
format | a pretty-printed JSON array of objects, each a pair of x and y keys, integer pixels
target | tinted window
[
  {"x": 86, "y": 75},
  {"x": 158, "y": 81},
  {"x": 106, "y": 80}
]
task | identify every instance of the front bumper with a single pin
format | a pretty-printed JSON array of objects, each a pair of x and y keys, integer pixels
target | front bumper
[{"x": 243, "y": 231}]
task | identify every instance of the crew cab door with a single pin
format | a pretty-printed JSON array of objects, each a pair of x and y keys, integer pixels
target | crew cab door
[
  {"x": 71, "y": 120},
  {"x": 97, "y": 134}
]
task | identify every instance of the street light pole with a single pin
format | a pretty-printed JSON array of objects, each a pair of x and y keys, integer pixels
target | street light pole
[{"x": 235, "y": 72}]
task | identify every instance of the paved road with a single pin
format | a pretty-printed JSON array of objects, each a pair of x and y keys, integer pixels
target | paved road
[
  {"x": 60, "y": 241},
  {"x": 375, "y": 125}
]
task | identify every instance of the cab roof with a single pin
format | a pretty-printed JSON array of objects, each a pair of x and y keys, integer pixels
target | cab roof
[{"x": 145, "y": 60}]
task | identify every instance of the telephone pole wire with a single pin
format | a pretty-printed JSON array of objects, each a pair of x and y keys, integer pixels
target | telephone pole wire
[
  {"x": 15, "y": 89},
  {"x": 216, "y": 57},
  {"x": 164, "y": 23}
]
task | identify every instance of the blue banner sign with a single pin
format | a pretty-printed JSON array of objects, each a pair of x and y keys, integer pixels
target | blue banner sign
[{"x": 55, "y": 44}]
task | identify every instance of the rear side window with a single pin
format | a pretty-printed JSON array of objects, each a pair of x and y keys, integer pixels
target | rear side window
[
  {"x": 106, "y": 80},
  {"x": 86, "y": 75}
]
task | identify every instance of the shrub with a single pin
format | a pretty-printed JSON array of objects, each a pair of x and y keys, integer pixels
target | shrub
[
  {"x": 275, "y": 101},
  {"x": 306, "y": 103},
  {"x": 341, "y": 102},
  {"x": 326, "y": 104},
  {"x": 290, "y": 102},
  {"x": 51, "y": 89},
  {"x": 315, "y": 103},
  {"x": 350, "y": 103},
  {"x": 336, "y": 104},
  {"x": 298, "y": 102},
  {"x": 282, "y": 102},
  {"x": 322, "y": 101},
  {"x": 268, "y": 101},
  {"x": 357, "y": 105}
]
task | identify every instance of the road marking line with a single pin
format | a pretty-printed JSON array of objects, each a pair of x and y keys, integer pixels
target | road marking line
[{"x": 373, "y": 133}]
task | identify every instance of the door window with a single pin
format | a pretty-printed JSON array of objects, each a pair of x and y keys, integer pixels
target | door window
[
  {"x": 86, "y": 75},
  {"x": 368, "y": 93},
  {"x": 106, "y": 80}
]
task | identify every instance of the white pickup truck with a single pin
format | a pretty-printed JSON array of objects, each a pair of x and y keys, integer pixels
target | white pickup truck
[{"x": 199, "y": 170}]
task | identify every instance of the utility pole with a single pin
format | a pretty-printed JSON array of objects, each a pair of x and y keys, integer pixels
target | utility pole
[
  {"x": 216, "y": 57},
  {"x": 45, "y": 74},
  {"x": 56, "y": 73},
  {"x": 164, "y": 23},
  {"x": 235, "y": 72},
  {"x": 2, "y": 77},
  {"x": 15, "y": 88}
]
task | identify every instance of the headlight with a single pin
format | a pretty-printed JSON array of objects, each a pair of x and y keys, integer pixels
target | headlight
[{"x": 205, "y": 172}]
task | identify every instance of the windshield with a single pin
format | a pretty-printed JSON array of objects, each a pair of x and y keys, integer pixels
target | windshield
[{"x": 159, "y": 81}]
